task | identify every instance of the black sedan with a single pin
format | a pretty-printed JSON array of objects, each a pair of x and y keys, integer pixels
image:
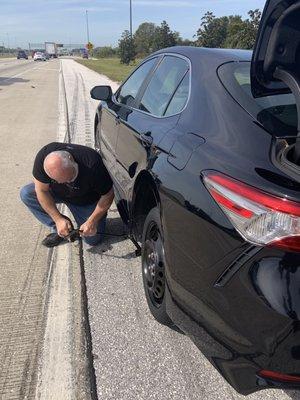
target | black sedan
[
  {"x": 22, "y": 54},
  {"x": 203, "y": 146}
]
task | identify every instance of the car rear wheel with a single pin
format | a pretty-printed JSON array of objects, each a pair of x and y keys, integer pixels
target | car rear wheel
[{"x": 153, "y": 267}]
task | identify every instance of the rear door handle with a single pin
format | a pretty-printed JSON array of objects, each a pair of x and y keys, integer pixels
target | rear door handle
[{"x": 146, "y": 139}]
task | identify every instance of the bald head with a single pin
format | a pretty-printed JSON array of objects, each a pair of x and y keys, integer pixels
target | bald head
[{"x": 60, "y": 166}]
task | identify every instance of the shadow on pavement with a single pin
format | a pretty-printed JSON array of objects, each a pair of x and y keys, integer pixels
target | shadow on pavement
[
  {"x": 6, "y": 81},
  {"x": 293, "y": 394},
  {"x": 114, "y": 226}
]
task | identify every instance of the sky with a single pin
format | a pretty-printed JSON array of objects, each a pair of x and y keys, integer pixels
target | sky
[{"x": 64, "y": 21}]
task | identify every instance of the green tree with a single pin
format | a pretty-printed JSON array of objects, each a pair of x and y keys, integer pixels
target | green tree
[
  {"x": 235, "y": 26},
  {"x": 164, "y": 37},
  {"x": 229, "y": 31},
  {"x": 255, "y": 17},
  {"x": 182, "y": 42},
  {"x": 213, "y": 31},
  {"x": 127, "y": 50},
  {"x": 245, "y": 33},
  {"x": 144, "y": 38}
]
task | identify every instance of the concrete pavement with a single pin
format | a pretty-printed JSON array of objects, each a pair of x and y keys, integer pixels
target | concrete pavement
[
  {"x": 42, "y": 347},
  {"x": 28, "y": 120}
]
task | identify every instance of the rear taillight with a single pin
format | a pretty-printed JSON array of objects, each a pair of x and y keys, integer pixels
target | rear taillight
[
  {"x": 277, "y": 376},
  {"x": 260, "y": 218}
]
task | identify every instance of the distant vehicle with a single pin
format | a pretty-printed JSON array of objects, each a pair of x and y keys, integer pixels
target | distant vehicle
[
  {"x": 39, "y": 56},
  {"x": 47, "y": 56},
  {"x": 51, "y": 49},
  {"x": 85, "y": 55},
  {"x": 22, "y": 54}
]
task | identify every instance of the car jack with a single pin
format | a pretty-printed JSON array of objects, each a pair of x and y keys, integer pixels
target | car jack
[
  {"x": 74, "y": 235},
  {"x": 138, "y": 251}
]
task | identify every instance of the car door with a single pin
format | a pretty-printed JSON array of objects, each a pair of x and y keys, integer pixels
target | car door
[
  {"x": 143, "y": 127},
  {"x": 110, "y": 114}
]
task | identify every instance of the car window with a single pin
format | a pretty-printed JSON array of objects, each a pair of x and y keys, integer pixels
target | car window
[
  {"x": 180, "y": 97},
  {"x": 129, "y": 90},
  {"x": 277, "y": 113},
  {"x": 163, "y": 84}
]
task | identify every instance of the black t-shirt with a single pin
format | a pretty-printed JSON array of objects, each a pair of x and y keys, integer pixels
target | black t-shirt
[{"x": 92, "y": 181}]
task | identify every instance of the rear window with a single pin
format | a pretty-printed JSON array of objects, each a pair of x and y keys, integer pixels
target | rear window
[{"x": 278, "y": 113}]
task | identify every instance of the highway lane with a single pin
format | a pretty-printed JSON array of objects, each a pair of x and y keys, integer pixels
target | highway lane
[
  {"x": 28, "y": 120},
  {"x": 16, "y": 68},
  {"x": 12, "y": 61}
]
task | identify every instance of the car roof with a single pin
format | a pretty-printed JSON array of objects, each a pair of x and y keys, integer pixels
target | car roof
[{"x": 214, "y": 56}]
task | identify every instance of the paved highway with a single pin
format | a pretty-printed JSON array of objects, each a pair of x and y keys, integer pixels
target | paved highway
[
  {"x": 28, "y": 120},
  {"x": 12, "y": 69}
]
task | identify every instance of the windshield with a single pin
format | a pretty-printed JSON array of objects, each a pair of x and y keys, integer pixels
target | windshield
[{"x": 277, "y": 113}]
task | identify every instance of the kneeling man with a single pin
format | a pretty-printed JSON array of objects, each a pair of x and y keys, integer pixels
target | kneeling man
[{"x": 76, "y": 176}]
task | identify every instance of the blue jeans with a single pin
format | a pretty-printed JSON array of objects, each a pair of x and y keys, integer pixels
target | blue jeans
[{"x": 80, "y": 213}]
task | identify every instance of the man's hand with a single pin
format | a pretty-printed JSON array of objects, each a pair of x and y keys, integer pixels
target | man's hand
[
  {"x": 89, "y": 228},
  {"x": 63, "y": 226}
]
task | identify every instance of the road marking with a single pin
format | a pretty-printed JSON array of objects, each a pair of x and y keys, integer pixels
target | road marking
[{"x": 48, "y": 69}]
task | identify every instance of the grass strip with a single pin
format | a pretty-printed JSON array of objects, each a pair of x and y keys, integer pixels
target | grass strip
[{"x": 110, "y": 67}]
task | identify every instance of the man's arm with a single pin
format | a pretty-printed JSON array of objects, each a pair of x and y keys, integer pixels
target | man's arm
[
  {"x": 89, "y": 228},
  {"x": 47, "y": 202}
]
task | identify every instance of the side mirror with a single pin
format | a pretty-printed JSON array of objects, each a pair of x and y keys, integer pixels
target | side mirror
[{"x": 101, "y": 93}]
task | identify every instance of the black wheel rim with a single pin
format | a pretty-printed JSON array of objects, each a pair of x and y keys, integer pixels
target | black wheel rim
[{"x": 154, "y": 265}]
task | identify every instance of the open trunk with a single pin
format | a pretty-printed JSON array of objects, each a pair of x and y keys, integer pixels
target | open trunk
[{"x": 275, "y": 69}]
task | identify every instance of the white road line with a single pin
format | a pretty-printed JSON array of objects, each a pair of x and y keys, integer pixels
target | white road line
[{"x": 49, "y": 69}]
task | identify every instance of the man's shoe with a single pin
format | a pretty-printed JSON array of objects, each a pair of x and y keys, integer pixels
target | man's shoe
[{"x": 52, "y": 240}]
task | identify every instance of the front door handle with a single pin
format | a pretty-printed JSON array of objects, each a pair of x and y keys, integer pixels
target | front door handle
[{"x": 146, "y": 139}]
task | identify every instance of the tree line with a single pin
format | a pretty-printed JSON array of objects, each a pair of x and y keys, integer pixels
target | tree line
[{"x": 215, "y": 32}]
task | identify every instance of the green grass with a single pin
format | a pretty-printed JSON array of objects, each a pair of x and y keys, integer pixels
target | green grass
[{"x": 110, "y": 67}]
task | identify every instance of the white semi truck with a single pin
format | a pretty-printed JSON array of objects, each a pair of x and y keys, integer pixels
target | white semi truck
[{"x": 51, "y": 49}]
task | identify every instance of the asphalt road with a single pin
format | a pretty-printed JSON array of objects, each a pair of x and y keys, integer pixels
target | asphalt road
[{"x": 28, "y": 120}]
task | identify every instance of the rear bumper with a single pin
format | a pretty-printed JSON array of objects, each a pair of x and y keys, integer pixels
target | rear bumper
[
  {"x": 251, "y": 324},
  {"x": 238, "y": 371}
]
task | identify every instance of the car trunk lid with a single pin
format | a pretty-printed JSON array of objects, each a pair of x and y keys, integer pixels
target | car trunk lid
[
  {"x": 277, "y": 48},
  {"x": 275, "y": 67}
]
